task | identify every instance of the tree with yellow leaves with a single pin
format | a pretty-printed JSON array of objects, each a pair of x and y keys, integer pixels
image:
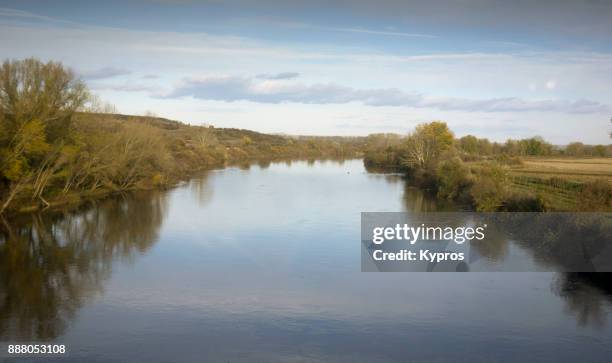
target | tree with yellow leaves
[
  {"x": 426, "y": 144},
  {"x": 37, "y": 102}
]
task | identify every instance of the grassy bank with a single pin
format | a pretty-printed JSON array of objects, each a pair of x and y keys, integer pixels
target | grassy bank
[
  {"x": 519, "y": 175},
  {"x": 560, "y": 182},
  {"x": 59, "y": 146},
  {"x": 111, "y": 153}
]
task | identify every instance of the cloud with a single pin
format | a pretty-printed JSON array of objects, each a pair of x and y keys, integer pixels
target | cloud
[
  {"x": 356, "y": 30},
  {"x": 8, "y": 15},
  {"x": 588, "y": 20},
  {"x": 21, "y": 14},
  {"x": 105, "y": 72},
  {"x": 228, "y": 88},
  {"x": 127, "y": 87},
  {"x": 284, "y": 75}
]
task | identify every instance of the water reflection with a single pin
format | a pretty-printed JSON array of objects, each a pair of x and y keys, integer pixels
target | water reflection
[
  {"x": 263, "y": 164},
  {"x": 417, "y": 200},
  {"x": 51, "y": 264},
  {"x": 570, "y": 242},
  {"x": 200, "y": 189},
  {"x": 266, "y": 268},
  {"x": 587, "y": 296}
]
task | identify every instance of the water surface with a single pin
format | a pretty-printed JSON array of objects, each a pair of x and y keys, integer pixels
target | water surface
[{"x": 263, "y": 265}]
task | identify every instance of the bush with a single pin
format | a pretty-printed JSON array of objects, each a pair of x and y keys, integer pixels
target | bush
[
  {"x": 490, "y": 187},
  {"x": 454, "y": 180},
  {"x": 595, "y": 196},
  {"x": 388, "y": 158},
  {"x": 472, "y": 157},
  {"x": 524, "y": 203}
]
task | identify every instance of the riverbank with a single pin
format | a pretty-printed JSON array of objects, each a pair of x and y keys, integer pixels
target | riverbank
[
  {"x": 526, "y": 175},
  {"x": 110, "y": 154}
]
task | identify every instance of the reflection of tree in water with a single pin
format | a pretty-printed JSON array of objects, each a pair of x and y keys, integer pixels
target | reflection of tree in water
[
  {"x": 578, "y": 242},
  {"x": 50, "y": 264},
  {"x": 419, "y": 200},
  {"x": 559, "y": 241},
  {"x": 588, "y": 296},
  {"x": 263, "y": 164},
  {"x": 565, "y": 242},
  {"x": 495, "y": 247},
  {"x": 200, "y": 189}
]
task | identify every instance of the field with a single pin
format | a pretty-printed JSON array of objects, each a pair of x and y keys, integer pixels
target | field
[
  {"x": 574, "y": 169},
  {"x": 557, "y": 180}
]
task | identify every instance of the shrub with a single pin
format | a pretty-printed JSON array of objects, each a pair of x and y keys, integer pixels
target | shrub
[
  {"x": 490, "y": 187},
  {"x": 524, "y": 203},
  {"x": 454, "y": 180},
  {"x": 595, "y": 196}
]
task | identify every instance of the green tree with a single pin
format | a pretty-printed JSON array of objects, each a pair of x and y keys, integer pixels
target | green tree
[{"x": 535, "y": 146}]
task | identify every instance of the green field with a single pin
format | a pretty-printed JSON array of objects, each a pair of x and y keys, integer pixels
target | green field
[{"x": 557, "y": 180}]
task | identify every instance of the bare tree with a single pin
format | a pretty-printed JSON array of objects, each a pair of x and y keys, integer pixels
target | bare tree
[{"x": 95, "y": 104}]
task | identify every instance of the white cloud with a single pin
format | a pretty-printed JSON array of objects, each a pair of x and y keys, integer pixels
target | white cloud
[
  {"x": 126, "y": 87},
  {"x": 356, "y": 30},
  {"x": 105, "y": 72},
  {"x": 26, "y": 15},
  {"x": 230, "y": 89},
  {"x": 283, "y": 75}
]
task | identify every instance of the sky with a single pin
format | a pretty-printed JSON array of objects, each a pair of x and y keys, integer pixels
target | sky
[{"x": 496, "y": 69}]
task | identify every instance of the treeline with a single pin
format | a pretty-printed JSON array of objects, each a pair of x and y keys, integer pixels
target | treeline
[
  {"x": 433, "y": 158},
  {"x": 51, "y": 152},
  {"x": 470, "y": 146},
  {"x": 534, "y": 146}
]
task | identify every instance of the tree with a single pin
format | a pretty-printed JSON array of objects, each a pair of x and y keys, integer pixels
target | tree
[
  {"x": 37, "y": 102},
  {"x": 425, "y": 145},
  {"x": 469, "y": 144},
  {"x": 49, "y": 92},
  {"x": 575, "y": 149},
  {"x": 95, "y": 104},
  {"x": 535, "y": 146},
  {"x": 599, "y": 150},
  {"x": 512, "y": 147}
]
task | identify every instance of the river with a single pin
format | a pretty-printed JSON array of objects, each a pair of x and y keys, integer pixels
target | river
[{"x": 262, "y": 264}]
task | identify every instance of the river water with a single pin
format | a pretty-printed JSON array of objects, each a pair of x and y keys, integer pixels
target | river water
[{"x": 262, "y": 264}]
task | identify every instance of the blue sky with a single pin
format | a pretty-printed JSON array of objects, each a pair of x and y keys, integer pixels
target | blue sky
[{"x": 491, "y": 68}]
